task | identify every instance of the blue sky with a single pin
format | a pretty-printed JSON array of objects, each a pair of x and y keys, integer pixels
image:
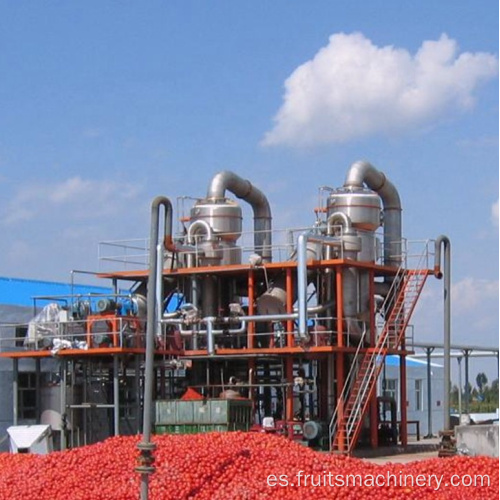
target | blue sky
[{"x": 104, "y": 105}]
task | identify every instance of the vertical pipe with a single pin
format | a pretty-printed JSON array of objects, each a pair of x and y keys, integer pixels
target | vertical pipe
[
  {"x": 302, "y": 284},
  {"x": 146, "y": 447},
  {"x": 289, "y": 307},
  {"x": 330, "y": 372},
  {"x": 15, "y": 391},
  {"x": 340, "y": 307},
  {"x": 444, "y": 241},
  {"x": 323, "y": 386},
  {"x": 137, "y": 388},
  {"x": 467, "y": 392},
  {"x": 38, "y": 391},
  {"x": 210, "y": 336},
  {"x": 374, "y": 420},
  {"x": 251, "y": 372},
  {"x": 85, "y": 398},
  {"x": 159, "y": 289},
  {"x": 289, "y": 395},
  {"x": 251, "y": 309},
  {"x": 459, "y": 359},
  {"x": 116, "y": 396},
  {"x": 372, "y": 333},
  {"x": 428, "y": 351},
  {"x": 194, "y": 300},
  {"x": 339, "y": 365},
  {"x": 402, "y": 391},
  {"x": 64, "y": 382}
]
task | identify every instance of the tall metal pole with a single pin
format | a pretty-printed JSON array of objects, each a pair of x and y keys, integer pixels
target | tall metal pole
[
  {"x": 15, "y": 391},
  {"x": 428, "y": 351},
  {"x": 116, "y": 396},
  {"x": 459, "y": 388},
  {"x": 146, "y": 447},
  {"x": 445, "y": 242},
  {"x": 64, "y": 386},
  {"x": 467, "y": 385}
]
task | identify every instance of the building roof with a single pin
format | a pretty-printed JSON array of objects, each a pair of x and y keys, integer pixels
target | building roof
[
  {"x": 20, "y": 292},
  {"x": 393, "y": 360}
]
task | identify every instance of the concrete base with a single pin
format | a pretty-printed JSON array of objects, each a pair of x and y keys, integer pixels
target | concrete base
[{"x": 477, "y": 439}]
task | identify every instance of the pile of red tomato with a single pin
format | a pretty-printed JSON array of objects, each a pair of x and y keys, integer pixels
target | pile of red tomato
[{"x": 234, "y": 466}]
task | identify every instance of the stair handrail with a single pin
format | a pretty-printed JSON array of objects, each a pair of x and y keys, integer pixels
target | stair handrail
[
  {"x": 384, "y": 337},
  {"x": 350, "y": 379},
  {"x": 347, "y": 387},
  {"x": 390, "y": 304}
]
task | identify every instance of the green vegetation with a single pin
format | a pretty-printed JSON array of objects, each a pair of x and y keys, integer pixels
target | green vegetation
[{"x": 483, "y": 398}]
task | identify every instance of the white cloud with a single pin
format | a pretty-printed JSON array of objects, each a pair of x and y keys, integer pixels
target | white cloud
[
  {"x": 494, "y": 213},
  {"x": 352, "y": 88},
  {"x": 474, "y": 310},
  {"x": 470, "y": 294},
  {"x": 77, "y": 197}
]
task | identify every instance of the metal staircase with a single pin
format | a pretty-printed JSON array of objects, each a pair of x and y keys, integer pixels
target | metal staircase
[{"x": 361, "y": 380}]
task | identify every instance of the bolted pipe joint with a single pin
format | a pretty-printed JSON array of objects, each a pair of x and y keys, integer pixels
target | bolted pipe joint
[{"x": 146, "y": 459}]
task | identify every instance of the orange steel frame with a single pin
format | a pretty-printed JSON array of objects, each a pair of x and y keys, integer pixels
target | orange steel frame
[{"x": 289, "y": 353}]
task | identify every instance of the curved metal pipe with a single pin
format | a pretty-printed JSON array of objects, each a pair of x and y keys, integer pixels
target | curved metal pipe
[
  {"x": 244, "y": 190},
  {"x": 341, "y": 218},
  {"x": 445, "y": 242},
  {"x": 197, "y": 224},
  {"x": 146, "y": 446},
  {"x": 363, "y": 172}
]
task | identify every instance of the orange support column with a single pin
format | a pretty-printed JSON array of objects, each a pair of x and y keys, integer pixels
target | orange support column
[
  {"x": 251, "y": 311},
  {"x": 402, "y": 379}
]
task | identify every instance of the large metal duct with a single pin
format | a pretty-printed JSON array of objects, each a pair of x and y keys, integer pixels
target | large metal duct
[
  {"x": 244, "y": 190},
  {"x": 362, "y": 172}
]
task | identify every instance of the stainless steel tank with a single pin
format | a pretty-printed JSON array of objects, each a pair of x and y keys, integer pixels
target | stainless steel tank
[
  {"x": 363, "y": 206},
  {"x": 225, "y": 220},
  {"x": 223, "y": 216}
]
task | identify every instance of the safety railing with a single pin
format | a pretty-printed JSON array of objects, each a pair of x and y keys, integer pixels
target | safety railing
[
  {"x": 134, "y": 253},
  {"x": 93, "y": 332}
]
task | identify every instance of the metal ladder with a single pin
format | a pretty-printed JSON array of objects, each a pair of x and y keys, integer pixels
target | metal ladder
[{"x": 360, "y": 383}]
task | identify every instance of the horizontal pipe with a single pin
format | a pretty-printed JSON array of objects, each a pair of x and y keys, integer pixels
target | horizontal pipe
[{"x": 241, "y": 329}]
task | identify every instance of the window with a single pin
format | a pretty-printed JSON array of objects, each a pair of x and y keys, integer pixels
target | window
[
  {"x": 418, "y": 395},
  {"x": 26, "y": 392},
  {"x": 390, "y": 388}
]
